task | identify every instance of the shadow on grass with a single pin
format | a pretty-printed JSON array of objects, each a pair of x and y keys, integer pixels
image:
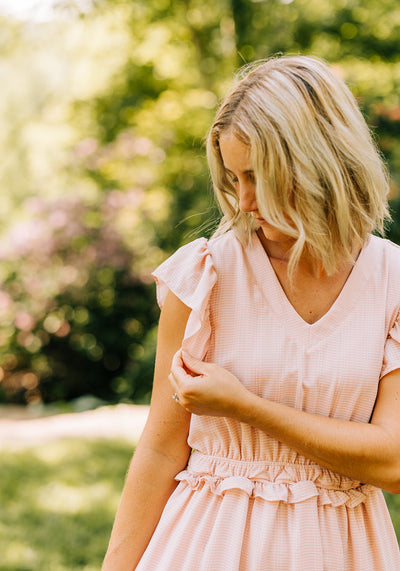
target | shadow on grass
[{"x": 58, "y": 502}]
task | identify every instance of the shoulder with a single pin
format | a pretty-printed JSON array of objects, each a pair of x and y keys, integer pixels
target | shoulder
[
  {"x": 385, "y": 271},
  {"x": 223, "y": 248},
  {"x": 226, "y": 249},
  {"x": 392, "y": 248},
  {"x": 192, "y": 252},
  {"x": 388, "y": 255},
  {"x": 189, "y": 273},
  {"x": 226, "y": 240}
]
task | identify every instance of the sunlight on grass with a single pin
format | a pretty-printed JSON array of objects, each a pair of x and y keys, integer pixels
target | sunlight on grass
[
  {"x": 58, "y": 503},
  {"x": 68, "y": 499},
  {"x": 18, "y": 554},
  {"x": 56, "y": 452}
]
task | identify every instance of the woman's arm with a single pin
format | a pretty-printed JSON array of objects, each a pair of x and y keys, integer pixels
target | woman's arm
[
  {"x": 365, "y": 452},
  {"x": 162, "y": 452}
]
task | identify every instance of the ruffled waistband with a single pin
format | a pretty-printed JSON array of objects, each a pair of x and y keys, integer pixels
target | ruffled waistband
[{"x": 274, "y": 481}]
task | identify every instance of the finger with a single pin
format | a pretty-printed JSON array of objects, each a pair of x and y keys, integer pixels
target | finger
[
  {"x": 177, "y": 360},
  {"x": 193, "y": 364},
  {"x": 178, "y": 370}
]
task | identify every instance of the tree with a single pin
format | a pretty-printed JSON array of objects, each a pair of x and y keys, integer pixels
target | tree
[{"x": 121, "y": 124}]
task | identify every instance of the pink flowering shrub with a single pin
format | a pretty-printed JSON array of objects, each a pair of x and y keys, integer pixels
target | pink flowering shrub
[{"x": 75, "y": 316}]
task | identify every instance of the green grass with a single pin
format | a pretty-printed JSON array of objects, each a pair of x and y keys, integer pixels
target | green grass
[
  {"x": 58, "y": 501},
  {"x": 393, "y": 503}
]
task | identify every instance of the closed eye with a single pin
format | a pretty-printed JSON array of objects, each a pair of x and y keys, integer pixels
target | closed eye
[
  {"x": 234, "y": 179},
  {"x": 231, "y": 177}
]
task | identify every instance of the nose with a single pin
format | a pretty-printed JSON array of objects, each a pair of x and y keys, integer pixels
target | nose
[{"x": 247, "y": 197}]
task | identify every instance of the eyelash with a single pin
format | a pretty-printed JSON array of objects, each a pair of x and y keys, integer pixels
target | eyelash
[{"x": 252, "y": 178}]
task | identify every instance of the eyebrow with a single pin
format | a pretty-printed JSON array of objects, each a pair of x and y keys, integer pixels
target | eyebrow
[{"x": 249, "y": 171}]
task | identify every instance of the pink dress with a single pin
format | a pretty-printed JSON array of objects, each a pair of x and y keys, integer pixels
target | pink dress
[{"x": 247, "y": 502}]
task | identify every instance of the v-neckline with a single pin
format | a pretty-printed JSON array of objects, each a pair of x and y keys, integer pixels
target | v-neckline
[{"x": 273, "y": 292}]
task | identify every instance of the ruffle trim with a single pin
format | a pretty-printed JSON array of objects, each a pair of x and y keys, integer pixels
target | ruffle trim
[
  {"x": 391, "y": 356},
  {"x": 291, "y": 493},
  {"x": 190, "y": 274},
  {"x": 394, "y": 333}
]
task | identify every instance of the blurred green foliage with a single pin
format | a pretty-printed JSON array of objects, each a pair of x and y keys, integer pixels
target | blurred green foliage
[
  {"x": 78, "y": 316},
  {"x": 104, "y": 172},
  {"x": 58, "y": 504}
]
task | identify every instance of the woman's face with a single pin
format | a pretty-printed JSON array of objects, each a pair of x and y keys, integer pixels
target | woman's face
[{"x": 237, "y": 163}]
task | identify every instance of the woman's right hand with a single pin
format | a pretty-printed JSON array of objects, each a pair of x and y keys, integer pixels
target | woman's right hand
[{"x": 205, "y": 388}]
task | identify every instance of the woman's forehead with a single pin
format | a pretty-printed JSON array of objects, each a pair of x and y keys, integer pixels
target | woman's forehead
[{"x": 235, "y": 154}]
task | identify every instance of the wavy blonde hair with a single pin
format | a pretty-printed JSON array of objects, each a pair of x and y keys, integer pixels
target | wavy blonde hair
[{"x": 319, "y": 176}]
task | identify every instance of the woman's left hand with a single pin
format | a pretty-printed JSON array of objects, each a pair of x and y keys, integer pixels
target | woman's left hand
[{"x": 205, "y": 388}]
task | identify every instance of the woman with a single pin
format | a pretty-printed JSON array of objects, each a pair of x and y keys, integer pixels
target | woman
[{"x": 280, "y": 338}]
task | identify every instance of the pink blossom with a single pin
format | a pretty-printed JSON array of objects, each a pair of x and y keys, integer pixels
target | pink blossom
[
  {"x": 5, "y": 302},
  {"x": 58, "y": 219},
  {"x": 24, "y": 321},
  {"x": 143, "y": 146},
  {"x": 86, "y": 147}
]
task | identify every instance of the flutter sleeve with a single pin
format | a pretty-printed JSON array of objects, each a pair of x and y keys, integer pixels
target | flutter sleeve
[
  {"x": 391, "y": 356},
  {"x": 190, "y": 274}
]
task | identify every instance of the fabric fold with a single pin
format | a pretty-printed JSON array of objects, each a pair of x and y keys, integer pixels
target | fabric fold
[
  {"x": 190, "y": 274},
  {"x": 391, "y": 356}
]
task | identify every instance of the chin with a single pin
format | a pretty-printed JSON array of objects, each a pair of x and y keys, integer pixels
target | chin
[{"x": 272, "y": 234}]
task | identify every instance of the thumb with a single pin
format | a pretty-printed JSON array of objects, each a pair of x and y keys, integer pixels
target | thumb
[{"x": 193, "y": 364}]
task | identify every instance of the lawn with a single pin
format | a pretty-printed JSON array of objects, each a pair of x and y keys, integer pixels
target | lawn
[
  {"x": 57, "y": 504},
  {"x": 393, "y": 503},
  {"x": 58, "y": 501}
]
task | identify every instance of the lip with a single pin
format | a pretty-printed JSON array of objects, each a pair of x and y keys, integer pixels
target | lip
[{"x": 260, "y": 221}]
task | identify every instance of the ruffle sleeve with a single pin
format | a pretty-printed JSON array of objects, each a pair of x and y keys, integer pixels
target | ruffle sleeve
[
  {"x": 190, "y": 274},
  {"x": 391, "y": 356}
]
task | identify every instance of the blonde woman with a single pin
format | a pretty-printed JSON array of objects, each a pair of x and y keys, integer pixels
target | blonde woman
[{"x": 279, "y": 343}]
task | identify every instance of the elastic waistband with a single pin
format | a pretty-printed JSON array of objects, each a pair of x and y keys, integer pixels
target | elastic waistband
[{"x": 290, "y": 482}]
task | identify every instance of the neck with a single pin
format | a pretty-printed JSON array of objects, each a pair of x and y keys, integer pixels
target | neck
[
  {"x": 280, "y": 252},
  {"x": 276, "y": 250}
]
